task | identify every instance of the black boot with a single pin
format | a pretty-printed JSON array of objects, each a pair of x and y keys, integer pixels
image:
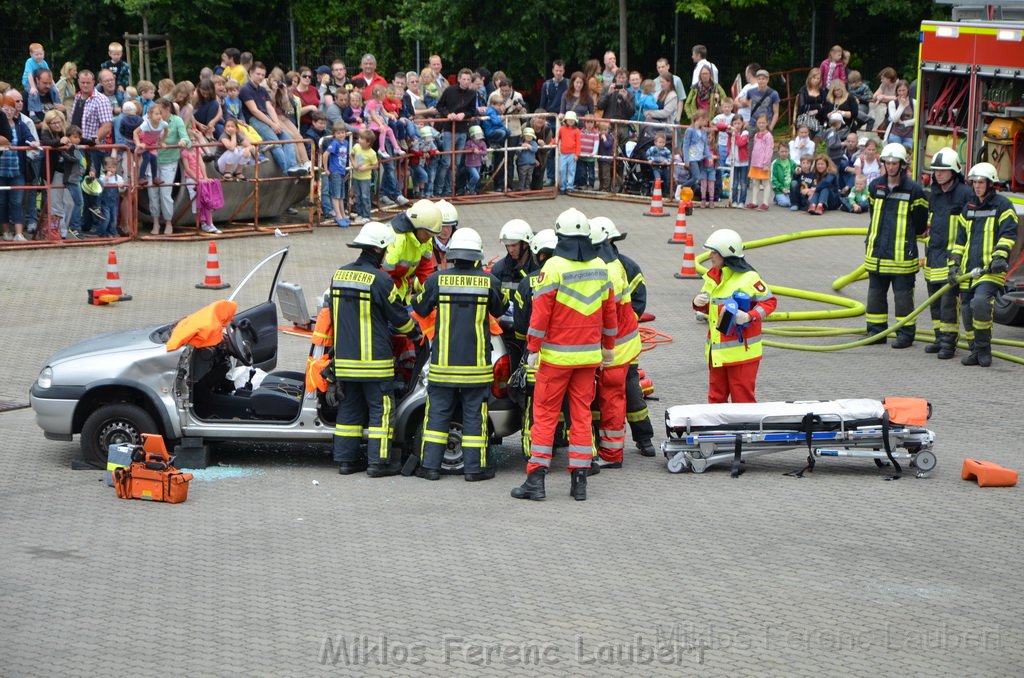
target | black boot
[
  {"x": 578, "y": 486},
  {"x": 947, "y": 345},
  {"x": 646, "y": 448},
  {"x": 533, "y": 488},
  {"x": 983, "y": 347},
  {"x": 346, "y": 468},
  {"x": 383, "y": 470},
  {"x": 903, "y": 341},
  {"x": 936, "y": 345},
  {"x": 972, "y": 358},
  {"x": 428, "y": 473}
]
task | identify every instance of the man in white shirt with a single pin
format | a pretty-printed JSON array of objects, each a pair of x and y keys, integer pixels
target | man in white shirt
[{"x": 700, "y": 60}]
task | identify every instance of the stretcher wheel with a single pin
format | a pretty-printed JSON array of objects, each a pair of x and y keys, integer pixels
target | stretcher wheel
[
  {"x": 676, "y": 463},
  {"x": 925, "y": 461}
]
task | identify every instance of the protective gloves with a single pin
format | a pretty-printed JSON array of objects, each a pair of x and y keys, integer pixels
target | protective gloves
[
  {"x": 999, "y": 265},
  {"x": 607, "y": 356},
  {"x": 701, "y": 299},
  {"x": 742, "y": 317},
  {"x": 531, "y": 360}
]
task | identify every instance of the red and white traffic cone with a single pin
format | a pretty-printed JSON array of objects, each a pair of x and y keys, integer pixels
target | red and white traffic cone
[
  {"x": 212, "y": 280},
  {"x": 689, "y": 268},
  {"x": 657, "y": 206},
  {"x": 679, "y": 234},
  {"x": 114, "y": 278}
]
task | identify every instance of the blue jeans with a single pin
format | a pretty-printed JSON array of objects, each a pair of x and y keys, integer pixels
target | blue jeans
[
  {"x": 496, "y": 137},
  {"x": 472, "y": 179},
  {"x": 782, "y": 200},
  {"x": 449, "y": 142},
  {"x": 797, "y": 199},
  {"x": 148, "y": 160},
  {"x": 388, "y": 180},
  {"x": 428, "y": 190},
  {"x": 567, "y": 171},
  {"x": 419, "y": 176},
  {"x": 738, "y": 192},
  {"x": 827, "y": 197},
  {"x": 661, "y": 172},
  {"x": 362, "y": 188},
  {"x": 74, "y": 220},
  {"x": 284, "y": 154},
  {"x": 109, "y": 203},
  {"x": 90, "y": 221},
  {"x": 11, "y": 201},
  {"x": 908, "y": 141}
]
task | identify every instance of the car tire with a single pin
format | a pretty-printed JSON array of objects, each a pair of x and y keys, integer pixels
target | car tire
[
  {"x": 116, "y": 423},
  {"x": 1006, "y": 312}
]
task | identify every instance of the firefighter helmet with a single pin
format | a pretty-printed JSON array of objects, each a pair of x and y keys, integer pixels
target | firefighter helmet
[
  {"x": 426, "y": 215},
  {"x": 946, "y": 159},
  {"x": 609, "y": 227},
  {"x": 572, "y": 223},
  {"x": 726, "y": 242},
  {"x": 544, "y": 241},
  {"x": 984, "y": 170},
  {"x": 515, "y": 230},
  {"x": 374, "y": 234},
  {"x": 449, "y": 215},
  {"x": 466, "y": 245},
  {"x": 599, "y": 229},
  {"x": 894, "y": 152}
]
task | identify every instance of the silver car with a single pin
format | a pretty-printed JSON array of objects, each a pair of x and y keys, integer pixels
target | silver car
[{"x": 113, "y": 387}]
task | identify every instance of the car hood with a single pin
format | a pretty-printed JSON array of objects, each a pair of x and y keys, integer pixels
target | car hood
[{"x": 111, "y": 342}]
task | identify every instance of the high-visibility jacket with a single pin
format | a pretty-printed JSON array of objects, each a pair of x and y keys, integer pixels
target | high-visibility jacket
[
  {"x": 463, "y": 296},
  {"x": 364, "y": 302},
  {"x": 637, "y": 283},
  {"x": 627, "y": 340},
  {"x": 323, "y": 329},
  {"x": 730, "y": 349},
  {"x": 522, "y": 306},
  {"x": 407, "y": 259},
  {"x": 944, "y": 210},
  {"x": 988, "y": 229},
  {"x": 573, "y": 314},
  {"x": 898, "y": 216}
]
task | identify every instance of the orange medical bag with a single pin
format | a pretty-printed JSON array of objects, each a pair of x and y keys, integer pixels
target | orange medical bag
[{"x": 150, "y": 475}]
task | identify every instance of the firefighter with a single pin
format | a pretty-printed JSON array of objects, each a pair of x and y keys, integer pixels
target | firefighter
[
  {"x": 542, "y": 246},
  {"x": 364, "y": 301},
  {"x": 410, "y": 258},
  {"x": 572, "y": 332},
  {"x": 611, "y": 379},
  {"x": 449, "y": 222},
  {"x": 899, "y": 214},
  {"x": 949, "y": 194},
  {"x": 637, "y": 415},
  {"x": 988, "y": 231},
  {"x": 733, "y": 348},
  {"x": 518, "y": 263},
  {"x": 460, "y": 356}
]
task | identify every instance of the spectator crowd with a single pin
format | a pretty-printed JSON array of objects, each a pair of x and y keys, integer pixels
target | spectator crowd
[{"x": 429, "y": 134}]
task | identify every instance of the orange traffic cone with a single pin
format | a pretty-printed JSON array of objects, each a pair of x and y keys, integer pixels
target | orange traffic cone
[
  {"x": 679, "y": 234},
  {"x": 689, "y": 269},
  {"x": 988, "y": 474},
  {"x": 114, "y": 278},
  {"x": 212, "y": 280},
  {"x": 657, "y": 207}
]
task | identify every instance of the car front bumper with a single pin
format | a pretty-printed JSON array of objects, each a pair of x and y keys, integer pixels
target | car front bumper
[{"x": 55, "y": 409}]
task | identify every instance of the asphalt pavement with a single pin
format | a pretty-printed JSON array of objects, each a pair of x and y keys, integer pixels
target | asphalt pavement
[{"x": 277, "y": 565}]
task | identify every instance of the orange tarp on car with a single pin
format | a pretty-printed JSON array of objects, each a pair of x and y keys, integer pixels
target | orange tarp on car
[{"x": 204, "y": 327}]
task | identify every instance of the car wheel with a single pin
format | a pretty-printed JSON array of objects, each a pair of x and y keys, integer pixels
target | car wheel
[
  {"x": 114, "y": 424},
  {"x": 1005, "y": 312},
  {"x": 451, "y": 462}
]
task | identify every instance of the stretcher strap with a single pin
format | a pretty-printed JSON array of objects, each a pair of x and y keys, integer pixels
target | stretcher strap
[
  {"x": 808, "y": 424},
  {"x": 737, "y": 457},
  {"x": 888, "y": 449}
]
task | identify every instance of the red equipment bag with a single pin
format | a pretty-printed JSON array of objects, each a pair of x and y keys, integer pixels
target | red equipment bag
[{"x": 150, "y": 476}]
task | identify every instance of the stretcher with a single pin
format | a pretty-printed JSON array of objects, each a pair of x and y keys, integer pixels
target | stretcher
[{"x": 890, "y": 432}]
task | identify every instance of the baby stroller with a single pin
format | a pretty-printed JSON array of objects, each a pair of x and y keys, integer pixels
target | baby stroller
[{"x": 637, "y": 176}]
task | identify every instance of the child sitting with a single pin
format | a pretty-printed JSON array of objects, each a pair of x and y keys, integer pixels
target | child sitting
[
  {"x": 238, "y": 151},
  {"x": 802, "y": 145},
  {"x": 113, "y": 185},
  {"x": 129, "y": 122},
  {"x": 376, "y": 119},
  {"x": 494, "y": 127},
  {"x": 835, "y": 139},
  {"x": 803, "y": 185},
  {"x": 527, "y": 159},
  {"x": 355, "y": 108},
  {"x": 858, "y": 201},
  {"x": 783, "y": 168},
  {"x": 232, "y": 104},
  {"x": 660, "y": 158}
]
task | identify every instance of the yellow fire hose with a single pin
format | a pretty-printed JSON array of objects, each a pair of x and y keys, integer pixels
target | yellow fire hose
[{"x": 848, "y": 308}]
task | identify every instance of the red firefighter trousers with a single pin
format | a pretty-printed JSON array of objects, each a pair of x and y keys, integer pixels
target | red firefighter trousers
[{"x": 553, "y": 383}]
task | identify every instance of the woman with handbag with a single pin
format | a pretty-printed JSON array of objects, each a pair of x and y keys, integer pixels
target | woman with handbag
[
  {"x": 810, "y": 107},
  {"x": 901, "y": 117}
]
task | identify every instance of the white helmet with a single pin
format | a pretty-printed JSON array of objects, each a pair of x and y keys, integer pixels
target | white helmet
[
  {"x": 726, "y": 242},
  {"x": 572, "y": 223},
  {"x": 599, "y": 229},
  {"x": 544, "y": 240},
  {"x": 946, "y": 159},
  {"x": 894, "y": 152},
  {"x": 610, "y": 230},
  {"x": 426, "y": 215},
  {"x": 465, "y": 244},
  {"x": 449, "y": 215},
  {"x": 984, "y": 170},
  {"x": 515, "y": 230},
  {"x": 374, "y": 234}
]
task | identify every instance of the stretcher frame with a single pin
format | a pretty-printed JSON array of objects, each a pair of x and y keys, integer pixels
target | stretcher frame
[{"x": 697, "y": 448}]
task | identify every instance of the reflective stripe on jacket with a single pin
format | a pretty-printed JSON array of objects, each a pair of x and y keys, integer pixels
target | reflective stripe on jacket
[
  {"x": 987, "y": 229},
  {"x": 730, "y": 349},
  {"x": 573, "y": 314},
  {"x": 627, "y": 341},
  {"x": 408, "y": 258},
  {"x": 898, "y": 216},
  {"x": 944, "y": 210}
]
